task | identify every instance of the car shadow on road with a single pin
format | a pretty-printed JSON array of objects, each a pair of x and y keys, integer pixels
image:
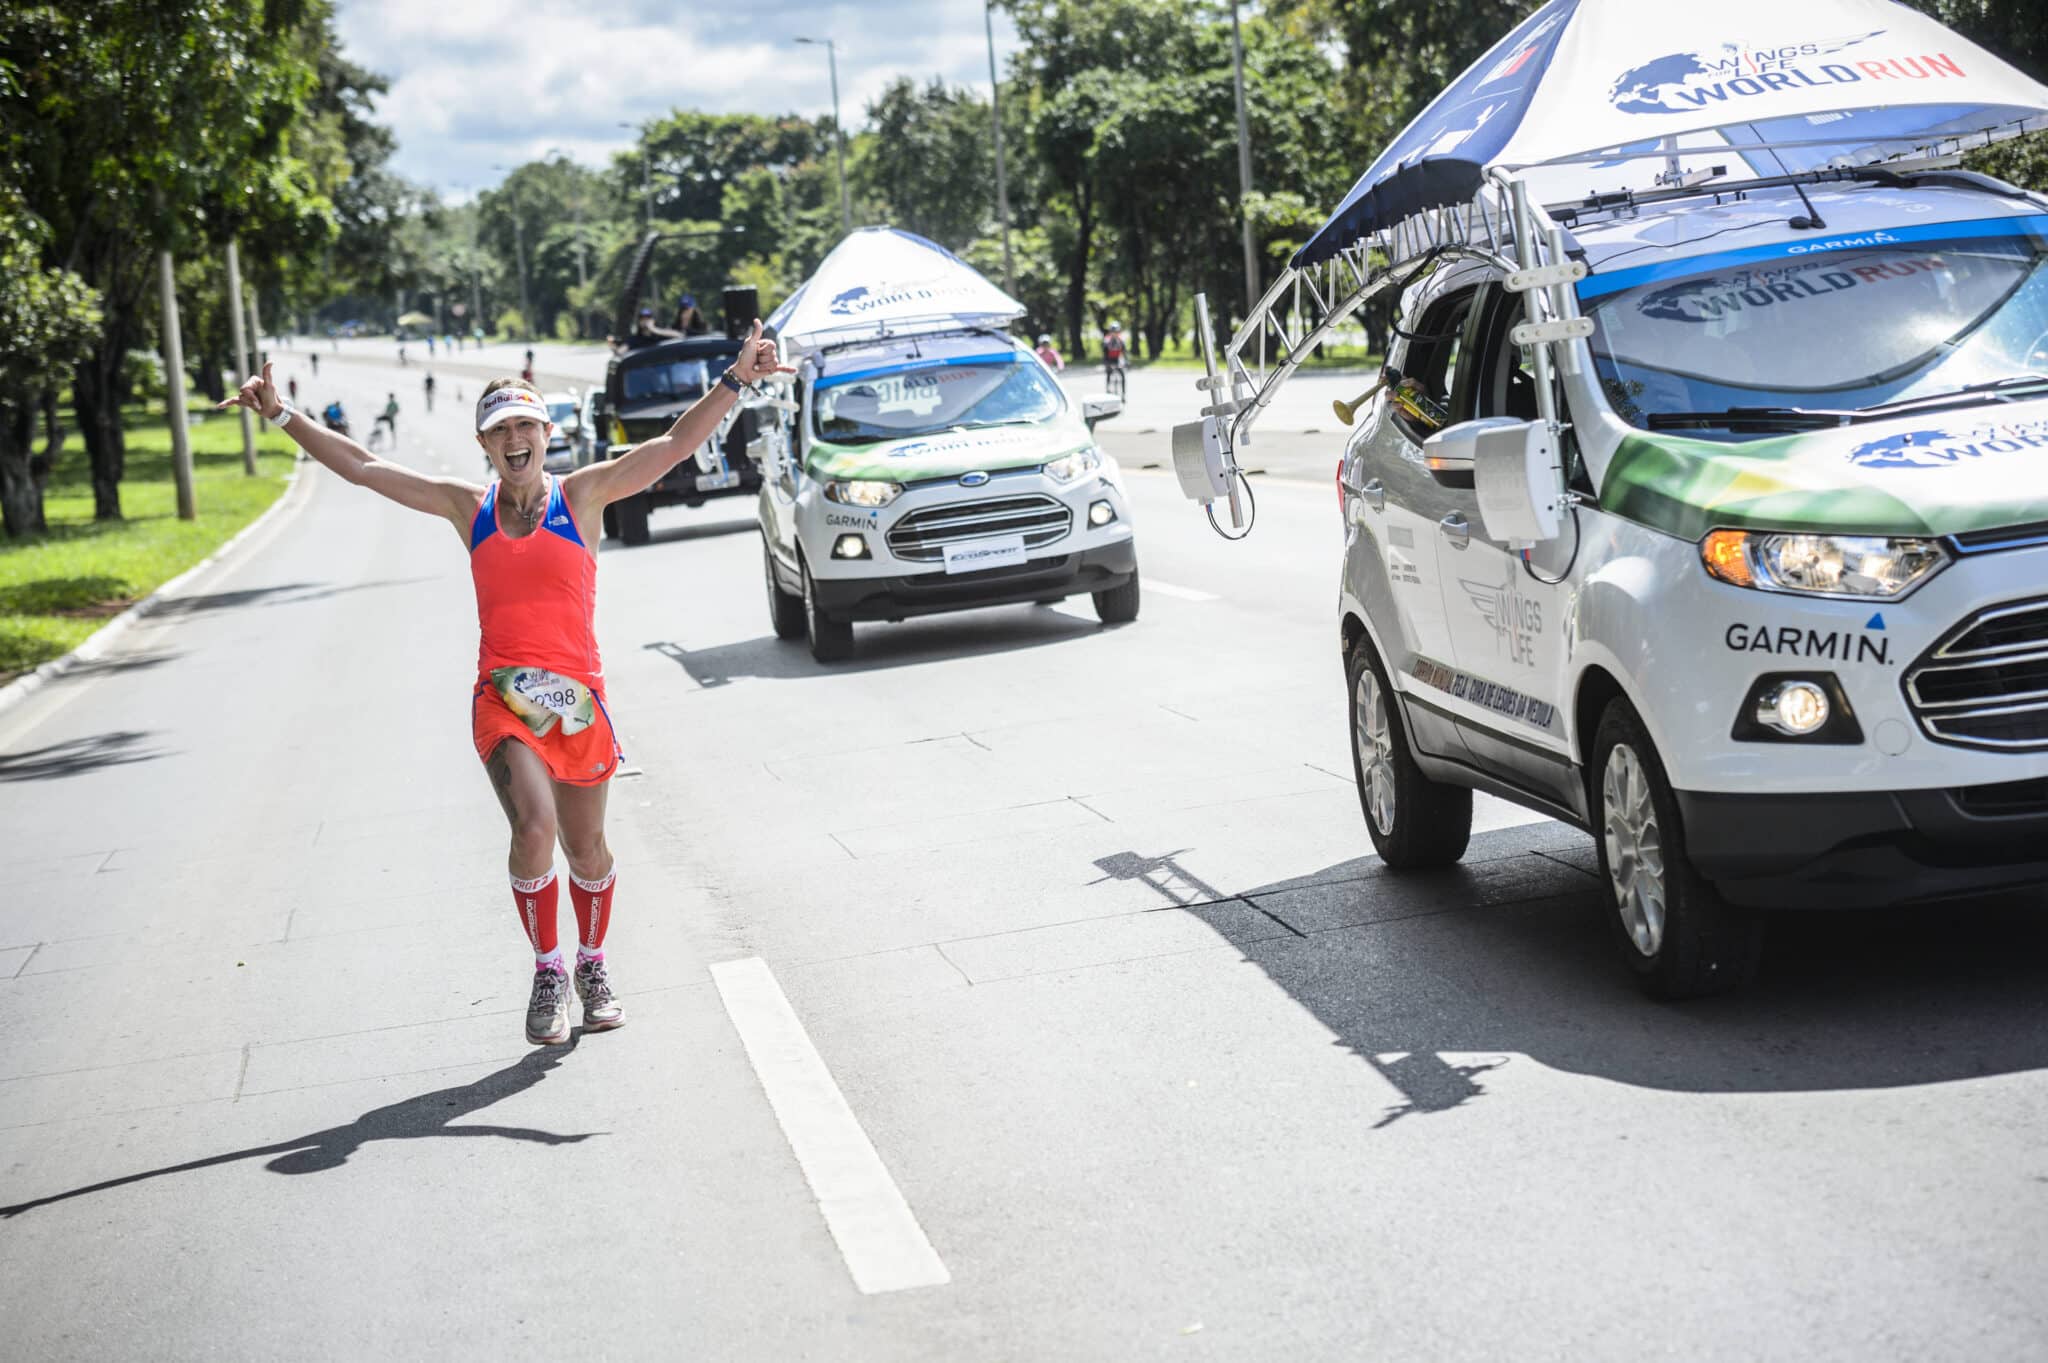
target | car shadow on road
[
  {"x": 701, "y": 530},
  {"x": 1000, "y": 629},
  {"x": 76, "y": 756},
  {"x": 423, "y": 1116},
  {"x": 1434, "y": 979}
]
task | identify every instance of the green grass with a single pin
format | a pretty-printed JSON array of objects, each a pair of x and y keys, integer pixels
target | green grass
[{"x": 58, "y": 588}]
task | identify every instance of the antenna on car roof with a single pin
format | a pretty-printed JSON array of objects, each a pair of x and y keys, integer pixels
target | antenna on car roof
[{"x": 1812, "y": 221}]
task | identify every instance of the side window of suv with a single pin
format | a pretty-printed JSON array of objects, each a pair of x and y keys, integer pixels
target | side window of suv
[
  {"x": 1427, "y": 397},
  {"x": 1503, "y": 374}
]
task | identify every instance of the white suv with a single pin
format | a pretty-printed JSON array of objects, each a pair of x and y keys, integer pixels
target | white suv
[{"x": 1789, "y": 642}]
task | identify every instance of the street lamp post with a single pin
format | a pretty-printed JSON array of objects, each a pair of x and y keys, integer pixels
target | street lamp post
[
  {"x": 838, "y": 129},
  {"x": 1244, "y": 167},
  {"x": 995, "y": 108},
  {"x": 519, "y": 258}
]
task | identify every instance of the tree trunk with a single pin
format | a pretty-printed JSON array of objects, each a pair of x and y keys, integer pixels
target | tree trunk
[
  {"x": 1077, "y": 274},
  {"x": 21, "y": 497},
  {"x": 209, "y": 378},
  {"x": 53, "y": 440},
  {"x": 95, "y": 388}
]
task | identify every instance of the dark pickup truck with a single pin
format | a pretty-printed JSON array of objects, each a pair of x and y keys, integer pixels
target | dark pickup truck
[{"x": 645, "y": 390}]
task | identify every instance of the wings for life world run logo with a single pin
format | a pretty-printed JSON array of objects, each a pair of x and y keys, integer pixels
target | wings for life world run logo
[
  {"x": 1687, "y": 82},
  {"x": 861, "y": 300},
  {"x": 1944, "y": 448}
]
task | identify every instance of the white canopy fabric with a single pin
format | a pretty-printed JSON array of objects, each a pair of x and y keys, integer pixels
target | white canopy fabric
[
  {"x": 1598, "y": 94},
  {"x": 881, "y": 280}
]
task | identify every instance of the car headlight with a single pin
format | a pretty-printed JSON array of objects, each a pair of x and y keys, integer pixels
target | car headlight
[
  {"x": 1884, "y": 566},
  {"x": 1068, "y": 467},
  {"x": 863, "y": 492}
]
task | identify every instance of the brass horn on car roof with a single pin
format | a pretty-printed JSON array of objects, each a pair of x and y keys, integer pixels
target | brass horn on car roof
[{"x": 1347, "y": 412}]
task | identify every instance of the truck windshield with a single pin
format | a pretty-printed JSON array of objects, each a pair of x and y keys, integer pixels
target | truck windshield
[
  {"x": 1845, "y": 329},
  {"x": 673, "y": 379},
  {"x": 925, "y": 399}
]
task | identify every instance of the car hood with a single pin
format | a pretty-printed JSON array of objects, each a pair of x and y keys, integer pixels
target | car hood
[
  {"x": 1927, "y": 473},
  {"x": 951, "y": 454}
]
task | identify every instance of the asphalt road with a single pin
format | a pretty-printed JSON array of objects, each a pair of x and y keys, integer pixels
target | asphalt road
[{"x": 1101, "y": 1021}]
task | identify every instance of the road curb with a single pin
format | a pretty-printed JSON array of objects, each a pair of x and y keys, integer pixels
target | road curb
[{"x": 107, "y": 635}]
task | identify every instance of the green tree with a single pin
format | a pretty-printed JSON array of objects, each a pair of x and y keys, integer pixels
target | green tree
[
  {"x": 48, "y": 319},
  {"x": 141, "y": 125},
  {"x": 928, "y": 160}
]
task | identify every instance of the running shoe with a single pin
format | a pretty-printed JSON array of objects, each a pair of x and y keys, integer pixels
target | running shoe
[
  {"x": 547, "y": 1011},
  {"x": 601, "y": 1010}
]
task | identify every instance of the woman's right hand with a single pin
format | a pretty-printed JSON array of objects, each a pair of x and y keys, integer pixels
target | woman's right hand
[{"x": 259, "y": 394}]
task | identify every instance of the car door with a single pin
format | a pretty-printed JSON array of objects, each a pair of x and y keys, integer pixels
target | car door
[
  {"x": 1505, "y": 612},
  {"x": 776, "y": 448}
]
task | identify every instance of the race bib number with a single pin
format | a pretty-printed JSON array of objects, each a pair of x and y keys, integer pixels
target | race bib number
[{"x": 542, "y": 699}]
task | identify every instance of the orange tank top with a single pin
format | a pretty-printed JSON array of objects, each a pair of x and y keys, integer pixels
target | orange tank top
[{"x": 536, "y": 596}]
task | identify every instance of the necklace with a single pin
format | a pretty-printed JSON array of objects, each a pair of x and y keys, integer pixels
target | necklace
[{"x": 532, "y": 518}]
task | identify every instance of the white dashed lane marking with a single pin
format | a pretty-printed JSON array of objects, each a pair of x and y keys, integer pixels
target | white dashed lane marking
[{"x": 878, "y": 1236}]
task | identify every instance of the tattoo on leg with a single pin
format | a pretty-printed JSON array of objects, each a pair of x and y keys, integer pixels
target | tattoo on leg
[{"x": 501, "y": 782}]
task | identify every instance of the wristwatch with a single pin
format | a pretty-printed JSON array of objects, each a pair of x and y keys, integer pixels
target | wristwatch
[
  {"x": 728, "y": 379},
  {"x": 284, "y": 416}
]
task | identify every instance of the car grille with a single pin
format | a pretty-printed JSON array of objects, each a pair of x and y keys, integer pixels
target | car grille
[
  {"x": 922, "y": 536},
  {"x": 1986, "y": 684}
]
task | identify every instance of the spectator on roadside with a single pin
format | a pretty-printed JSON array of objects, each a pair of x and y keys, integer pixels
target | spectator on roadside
[
  {"x": 430, "y": 391},
  {"x": 1049, "y": 354},
  {"x": 314, "y": 356},
  {"x": 292, "y": 386}
]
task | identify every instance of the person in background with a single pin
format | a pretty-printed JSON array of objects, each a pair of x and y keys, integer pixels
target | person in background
[
  {"x": 430, "y": 391},
  {"x": 689, "y": 321},
  {"x": 1048, "y": 353},
  {"x": 293, "y": 385}
]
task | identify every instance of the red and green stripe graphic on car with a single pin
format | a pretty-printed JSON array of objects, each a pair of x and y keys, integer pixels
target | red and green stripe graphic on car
[{"x": 1847, "y": 482}]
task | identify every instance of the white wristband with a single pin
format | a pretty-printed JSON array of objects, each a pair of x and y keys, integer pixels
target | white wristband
[{"x": 284, "y": 416}]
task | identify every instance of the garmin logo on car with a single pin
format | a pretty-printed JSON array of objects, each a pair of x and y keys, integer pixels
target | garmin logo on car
[
  {"x": 1945, "y": 448},
  {"x": 1790, "y": 641},
  {"x": 1687, "y": 82},
  {"x": 847, "y": 520}
]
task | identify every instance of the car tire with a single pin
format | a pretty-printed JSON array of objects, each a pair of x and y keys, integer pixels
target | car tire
[
  {"x": 831, "y": 640},
  {"x": 632, "y": 520},
  {"x": 1118, "y": 605},
  {"x": 1676, "y": 933},
  {"x": 785, "y": 612},
  {"x": 1416, "y": 824}
]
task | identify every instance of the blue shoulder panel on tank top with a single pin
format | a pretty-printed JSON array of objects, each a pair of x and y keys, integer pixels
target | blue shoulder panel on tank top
[
  {"x": 485, "y": 523},
  {"x": 559, "y": 520}
]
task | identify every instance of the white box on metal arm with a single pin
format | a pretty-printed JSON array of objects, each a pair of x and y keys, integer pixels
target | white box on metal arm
[
  {"x": 1198, "y": 459},
  {"x": 1515, "y": 473}
]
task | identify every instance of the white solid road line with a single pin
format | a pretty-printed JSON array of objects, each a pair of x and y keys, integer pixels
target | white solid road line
[
  {"x": 1153, "y": 584},
  {"x": 884, "y": 1247}
]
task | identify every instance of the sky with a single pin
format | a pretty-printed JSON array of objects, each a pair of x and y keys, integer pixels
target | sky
[{"x": 478, "y": 84}]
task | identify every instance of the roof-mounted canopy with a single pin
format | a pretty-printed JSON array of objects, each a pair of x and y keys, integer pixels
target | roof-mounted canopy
[
  {"x": 882, "y": 280},
  {"x": 1589, "y": 96}
]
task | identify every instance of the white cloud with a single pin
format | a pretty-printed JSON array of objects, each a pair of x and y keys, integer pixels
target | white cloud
[{"x": 476, "y": 84}]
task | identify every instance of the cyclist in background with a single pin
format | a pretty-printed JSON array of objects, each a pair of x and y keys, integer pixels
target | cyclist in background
[
  {"x": 1115, "y": 357},
  {"x": 1048, "y": 353}
]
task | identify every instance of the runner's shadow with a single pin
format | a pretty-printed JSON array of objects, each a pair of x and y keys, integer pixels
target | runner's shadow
[
  {"x": 425, "y": 1115},
  {"x": 77, "y": 755}
]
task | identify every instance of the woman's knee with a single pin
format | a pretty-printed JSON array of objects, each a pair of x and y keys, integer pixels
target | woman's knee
[
  {"x": 586, "y": 848},
  {"x": 533, "y": 835}
]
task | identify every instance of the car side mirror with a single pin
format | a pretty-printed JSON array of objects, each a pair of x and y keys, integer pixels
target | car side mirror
[
  {"x": 1100, "y": 408},
  {"x": 1513, "y": 466}
]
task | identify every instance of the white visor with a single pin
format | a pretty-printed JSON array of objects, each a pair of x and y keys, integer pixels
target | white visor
[{"x": 505, "y": 403}]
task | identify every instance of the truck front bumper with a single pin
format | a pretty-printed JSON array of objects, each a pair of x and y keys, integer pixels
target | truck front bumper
[{"x": 1860, "y": 849}]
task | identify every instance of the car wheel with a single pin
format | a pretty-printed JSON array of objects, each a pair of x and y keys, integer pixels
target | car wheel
[
  {"x": 1680, "y": 938},
  {"x": 632, "y": 520},
  {"x": 1118, "y": 605},
  {"x": 1415, "y": 823},
  {"x": 831, "y": 640},
  {"x": 785, "y": 612}
]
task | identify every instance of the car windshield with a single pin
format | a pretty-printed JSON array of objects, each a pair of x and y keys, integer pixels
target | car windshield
[
  {"x": 562, "y": 413},
  {"x": 1878, "y": 321},
  {"x": 925, "y": 399},
  {"x": 685, "y": 378}
]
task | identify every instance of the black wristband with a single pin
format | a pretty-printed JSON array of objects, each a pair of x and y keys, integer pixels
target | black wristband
[{"x": 731, "y": 382}]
